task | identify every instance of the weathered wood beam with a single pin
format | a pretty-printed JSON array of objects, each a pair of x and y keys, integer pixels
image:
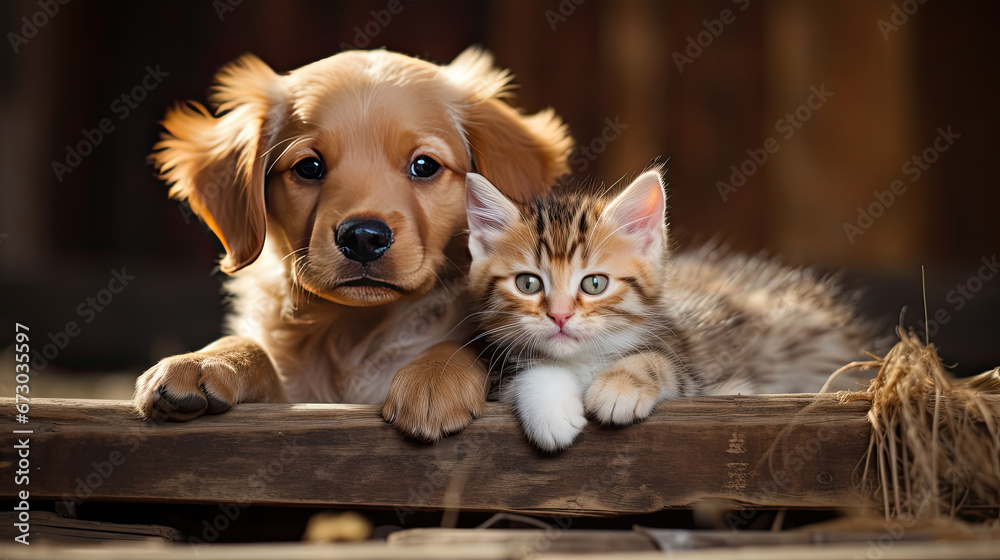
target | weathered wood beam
[{"x": 762, "y": 451}]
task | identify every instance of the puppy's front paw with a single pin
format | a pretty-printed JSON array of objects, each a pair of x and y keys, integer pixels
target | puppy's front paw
[
  {"x": 620, "y": 397},
  {"x": 430, "y": 399},
  {"x": 184, "y": 387}
]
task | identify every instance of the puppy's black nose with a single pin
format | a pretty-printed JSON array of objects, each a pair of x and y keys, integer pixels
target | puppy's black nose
[{"x": 363, "y": 241}]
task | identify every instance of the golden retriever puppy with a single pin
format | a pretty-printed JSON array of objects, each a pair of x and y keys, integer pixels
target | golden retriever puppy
[{"x": 338, "y": 191}]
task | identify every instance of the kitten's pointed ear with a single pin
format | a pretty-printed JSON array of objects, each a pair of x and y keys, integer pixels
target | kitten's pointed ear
[
  {"x": 489, "y": 212},
  {"x": 639, "y": 211}
]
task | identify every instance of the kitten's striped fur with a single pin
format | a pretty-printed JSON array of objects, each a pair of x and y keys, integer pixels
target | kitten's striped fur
[{"x": 665, "y": 326}]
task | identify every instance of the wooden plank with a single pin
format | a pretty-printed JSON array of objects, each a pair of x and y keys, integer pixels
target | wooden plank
[
  {"x": 50, "y": 528},
  {"x": 886, "y": 549},
  {"x": 529, "y": 542},
  {"x": 346, "y": 455},
  {"x": 372, "y": 550}
]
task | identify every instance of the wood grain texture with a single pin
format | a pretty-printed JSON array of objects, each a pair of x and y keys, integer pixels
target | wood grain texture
[
  {"x": 528, "y": 541},
  {"x": 326, "y": 454},
  {"x": 50, "y": 528}
]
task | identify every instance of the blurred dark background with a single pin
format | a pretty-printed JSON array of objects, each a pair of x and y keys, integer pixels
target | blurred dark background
[{"x": 703, "y": 84}]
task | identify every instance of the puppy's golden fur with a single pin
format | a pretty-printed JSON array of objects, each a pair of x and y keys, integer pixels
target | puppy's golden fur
[{"x": 310, "y": 322}]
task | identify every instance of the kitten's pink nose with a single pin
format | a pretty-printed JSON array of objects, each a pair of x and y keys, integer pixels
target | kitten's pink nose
[{"x": 560, "y": 318}]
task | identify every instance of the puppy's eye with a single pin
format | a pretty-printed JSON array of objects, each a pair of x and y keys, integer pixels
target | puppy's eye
[
  {"x": 594, "y": 284},
  {"x": 528, "y": 283},
  {"x": 424, "y": 167},
  {"x": 310, "y": 169}
]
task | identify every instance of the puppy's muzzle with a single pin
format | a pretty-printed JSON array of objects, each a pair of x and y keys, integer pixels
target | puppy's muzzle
[{"x": 363, "y": 241}]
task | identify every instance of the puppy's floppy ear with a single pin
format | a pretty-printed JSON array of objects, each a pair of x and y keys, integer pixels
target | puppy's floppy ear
[
  {"x": 521, "y": 154},
  {"x": 216, "y": 161}
]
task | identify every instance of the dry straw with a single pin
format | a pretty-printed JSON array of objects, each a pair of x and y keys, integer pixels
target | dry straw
[{"x": 935, "y": 444}]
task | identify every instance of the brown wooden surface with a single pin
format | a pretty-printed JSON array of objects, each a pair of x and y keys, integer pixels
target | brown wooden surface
[
  {"x": 528, "y": 541},
  {"x": 985, "y": 550},
  {"x": 51, "y": 529},
  {"x": 325, "y": 454},
  {"x": 889, "y": 550}
]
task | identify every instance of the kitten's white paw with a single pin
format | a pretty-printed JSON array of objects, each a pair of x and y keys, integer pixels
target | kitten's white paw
[
  {"x": 554, "y": 427},
  {"x": 549, "y": 402},
  {"x": 619, "y": 397}
]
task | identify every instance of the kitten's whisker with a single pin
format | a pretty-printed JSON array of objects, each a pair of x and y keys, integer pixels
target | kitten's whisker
[
  {"x": 614, "y": 231},
  {"x": 474, "y": 339},
  {"x": 506, "y": 355},
  {"x": 480, "y": 336},
  {"x": 666, "y": 345}
]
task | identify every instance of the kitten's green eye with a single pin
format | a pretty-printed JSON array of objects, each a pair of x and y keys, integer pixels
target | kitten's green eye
[
  {"x": 528, "y": 283},
  {"x": 594, "y": 284}
]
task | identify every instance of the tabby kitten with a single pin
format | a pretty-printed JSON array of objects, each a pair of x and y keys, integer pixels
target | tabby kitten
[{"x": 586, "y": 312}]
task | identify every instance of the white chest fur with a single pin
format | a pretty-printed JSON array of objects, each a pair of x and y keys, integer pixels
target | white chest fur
[{"x": 325, "y": 352}]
